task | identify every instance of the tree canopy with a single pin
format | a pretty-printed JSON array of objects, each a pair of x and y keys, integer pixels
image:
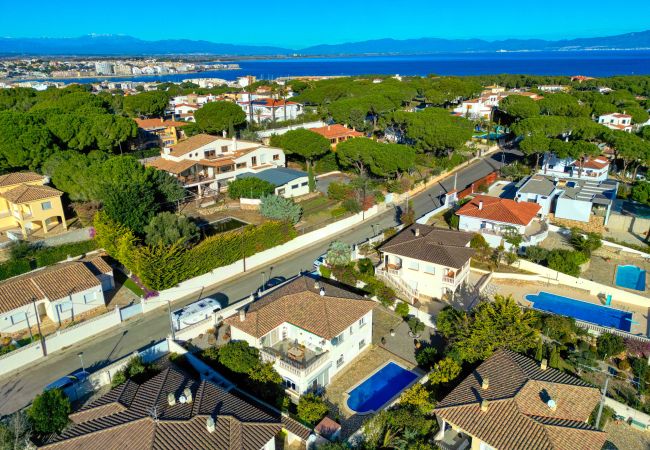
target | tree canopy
[
  {"x": 249, "y": 187},
  {"x": 49, "y": 412},
  {"x": 147, "y": 104},
  {"x": 383, "y": 160},
  {"x": 302, "y": 142},
  {"x": 216, "y": 117},
  {"x": 167, "y": 228}
]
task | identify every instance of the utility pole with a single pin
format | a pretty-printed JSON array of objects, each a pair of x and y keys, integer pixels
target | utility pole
[
  {"x": 171, "y": 322},
  {"x": 602, "y": 402},
  {"x": 38, "y": 323}
]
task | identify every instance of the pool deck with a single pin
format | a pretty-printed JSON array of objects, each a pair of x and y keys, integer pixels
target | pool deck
[
  {"x": 604, "y": 263},
  {"x": 519, "y": 290}
]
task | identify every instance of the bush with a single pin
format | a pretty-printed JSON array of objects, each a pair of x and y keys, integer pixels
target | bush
[
  {"x": 624, "y": 365},
  {"x": 249, "y": 187},
  {"x": 280, "y": 208},
  {"x": 478, "y": 242},
  {"x": 536, "y": 254},
  {"x": 585, "y": 243},
  {"x": 168, "y": 228},
  {"x": 402, "y": 309},
  {"x": 385, "y": 294},
  {"x": 338, "y": 254},
  {"x": 366, "y": 267},
  {"x": 566, "y": 261},
  {"x": 345, "y": 274},
  {"x": 426, "y": 356},
  {"x": 327, "y": 163},
  {"x": 452, "y": 219},
  {"x": 609, "y": 345},
  {"x": 339, "y": 191},
  {"x": 325, "y": 271},
  {"x": 416, "y": 325},
  {"x": 352, "y": 205},
  {"x": 135, "y": 370},
  {"x": 49, "y": 412},
  {"x": 239, "y": 357},
  {"x": 311, "y": 409}
]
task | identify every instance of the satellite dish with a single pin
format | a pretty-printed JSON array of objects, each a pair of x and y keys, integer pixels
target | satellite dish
[
  {"x": 182, "y": 399},
  {"x": 551, "y": 404}
]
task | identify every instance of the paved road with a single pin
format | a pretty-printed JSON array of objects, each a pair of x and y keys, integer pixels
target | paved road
[{"x": 17, "y": 390}]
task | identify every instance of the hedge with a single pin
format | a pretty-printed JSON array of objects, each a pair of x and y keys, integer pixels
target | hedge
[
  {"x": 161, "y": 267},
  {"x": 37, "y": 256}
]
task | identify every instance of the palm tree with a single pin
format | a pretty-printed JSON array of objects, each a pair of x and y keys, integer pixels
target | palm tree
[{"x": 282, "y": 90}]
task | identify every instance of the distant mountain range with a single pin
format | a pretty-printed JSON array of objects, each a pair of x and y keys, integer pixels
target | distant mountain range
[{"x": 114, "y": 45}]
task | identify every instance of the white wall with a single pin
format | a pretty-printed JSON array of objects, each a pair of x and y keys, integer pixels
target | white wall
[
  {"x": 81, "y": 302},
  {"x": 566, "y": 208},
  {"x": 21, "y": 316},
  {"x": 294, "y": 188}
]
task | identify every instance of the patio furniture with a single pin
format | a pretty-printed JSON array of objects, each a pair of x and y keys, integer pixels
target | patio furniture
[{"x": 296, "y": 353}]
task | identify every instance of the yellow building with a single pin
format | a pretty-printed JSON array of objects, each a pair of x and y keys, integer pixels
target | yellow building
[{"x": 26, "y": 204}]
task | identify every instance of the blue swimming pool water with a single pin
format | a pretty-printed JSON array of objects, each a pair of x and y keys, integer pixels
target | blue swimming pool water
[
  {"x": 631, "y": 277},
  {"x": 588, "y": 312},
  {"x": 377, "y": 390}
]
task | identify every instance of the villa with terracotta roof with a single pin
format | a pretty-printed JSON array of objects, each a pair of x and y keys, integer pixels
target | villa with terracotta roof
[
  {"x": 208, "y": 163},
  {"x": 61, "y": 292},
  {"x": 425, "y": 262},
  {"x": 336, "y": 133},
  {"x": 262, "y": 110},
  {"x": 27, "y": 204},
  {"x": 495, "y": 218},
  {"x": 310, "y": 330},
  {"x": 511, "y": 402},
  {"x": 175, "y": 411},
  {"x": 617, "y": 121},
  {"x": 591, "y": 168},
  {"x": 159, "y": 132}
]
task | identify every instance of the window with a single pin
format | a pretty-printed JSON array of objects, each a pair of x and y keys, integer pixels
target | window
[
  {"x": 295, "y": 186},
  {"x": 224, "y": 148},
  {"x": 46, "y": 205},
  {"x": 338, "y": 340},
  {"x": 281, "y": 191},
  {"x": 276, "y": 157},
  {"x": 414, "y": 265},
  {"x": 89, "y": 297},
  {"x": 351, "y": 330},
  {"x": 304, "y": 183},
  {"x": 362, "y": 343},
  {"x": 18, "y": 318},
  {"x": 430, "y": 269},
  {"x": 66, "y": 306},
  {"x": 210, "y": 154},
  {"x": 254, "y": 161},
  {"x": 339, "y": 362},
  {"x": 289, "y": 384},
  {"x": 241, "y": 165},
  {"x": 362, "y": 322}
]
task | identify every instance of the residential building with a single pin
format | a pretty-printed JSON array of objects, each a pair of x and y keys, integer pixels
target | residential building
[
  {"x": 493, "y": 89},
  {"x": 270, "y": 110},
  {"x": 174, "y": 411},
  {"x": 62, "y": 292},
  {"x": 592, "y": 169},
  {"x": 585, "y": 201},
  {"x": 511, "y": 402},
  {"x": 158, "y": 132},
  {"x": 553, "y": 88},
  {"x": 310, "y": 330},
  {"x": 617, "y": 121},
  {"x": 185, "y": 111},
  {"x": 288, "y": 182},
  {"x": 474, "y": 109},
  {"x": 209, "y": 162},
  {"x": 104, "y": 68},
  {"x": 497, "y": 218},
  {"x": 538, "y": 189},
  {"x": 27, "y": 204},
  {"x": 425, "y": 262},
  {"x": 337, "y": 133}
]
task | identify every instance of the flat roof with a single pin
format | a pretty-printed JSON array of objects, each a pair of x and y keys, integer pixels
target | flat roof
[
  {"x": 278, "y": 176},
  {"x": 537, "y": 184}
]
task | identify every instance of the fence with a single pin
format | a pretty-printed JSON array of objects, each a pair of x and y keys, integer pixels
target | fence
[{"x": 129, "y": 311}]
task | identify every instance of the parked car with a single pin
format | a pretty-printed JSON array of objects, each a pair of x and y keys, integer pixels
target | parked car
[
  {"x": 320, "y": 261},
  {"x": 273, "y": 282},
  {"x": 67, "y": 380}
]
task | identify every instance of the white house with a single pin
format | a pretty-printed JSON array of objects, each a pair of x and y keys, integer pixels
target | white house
[
  {"x": 205, "y": 161},
  {"x": 425, "y": 262},
  {"x": 538, "y": 189},
  {"x": 310, "y": 330},
  {"x": 61, "y": 292},
  {"x": 474, "y": 109},
  {"x": 581, "y": 200},
  {"x": 496, "y": 218},
  {"x": 617, "y": 121},
  {"x": 593, "y": 169},
  {"x": 266, "y": 109},
  {"x": 288, "y": 182},
  {"x": 185, "y": 111}
]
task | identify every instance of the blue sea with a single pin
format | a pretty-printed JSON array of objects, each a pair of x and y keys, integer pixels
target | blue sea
[{"x": 588, "y": 63}]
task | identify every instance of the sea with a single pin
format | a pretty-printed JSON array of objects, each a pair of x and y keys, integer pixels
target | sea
[{"x": 595, "y": 63}]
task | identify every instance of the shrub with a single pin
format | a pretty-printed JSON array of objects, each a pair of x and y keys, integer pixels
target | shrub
[
  {"x": 366, "y": 266},
  {"x": 325, "y": 271},
  {"x": 426, "y": 356},
  {"x": 280, "y": 208},
  {"x": 536, "y": 254},
  {"x": 566, "y": 261},
  {"x": 478, "y": 242},
  {"x": 386, "y": 295},
  {"x": 624, "y": 365},
  {"x": 339, "y": 191},
  {"x": 416, "y": 325},
  {"x": 327, "y": 163},
  {"x": 135, "y": 370},
  {"x": 168, "y": 228},
  {"x": 452, "y": 219},
  {"x": 239, "y": 357},
  {"x": 49, "y": 412},
  {"x": 585, "y": 243},
  {"x": 444, "y": 371},
  {"x": 338, "y": 254},
  {"x": 609, "y": 345},
  {"x": 311, "y": 409},
  {"x": 345, "y": 274},
  {"x": 352, "y": 205},
  {"x": 418, "y": 398},
  {"x": 249, "y": 187},
  {"x": 402, "y": 309}
]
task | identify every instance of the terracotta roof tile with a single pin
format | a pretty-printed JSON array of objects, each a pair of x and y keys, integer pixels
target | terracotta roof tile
[
  {"x": 434, "y": 245},
  {"x": 517, "y": 415},
  {"x": 19, "y": 177},
  {"x": 500, "y": 210},
  {"x": 152, "y": 124},
  {"x": 300, "y": 304},
  {"x": 192, "y": 143},
  {"x": 167, "y": 165},
  {"x": 27, "y": 193},
  {"x": 336, "y": 131}
]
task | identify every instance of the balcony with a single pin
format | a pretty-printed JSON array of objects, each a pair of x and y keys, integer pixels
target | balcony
[
  {"x": 294, "y": 358},
  {"x": 452, "y": 440}
]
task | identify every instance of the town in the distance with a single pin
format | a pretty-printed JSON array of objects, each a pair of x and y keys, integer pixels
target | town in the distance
[{"x": 322, "y": 262}]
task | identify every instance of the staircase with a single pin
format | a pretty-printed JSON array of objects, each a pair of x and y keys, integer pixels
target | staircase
[{"x": 396, "y": 283}]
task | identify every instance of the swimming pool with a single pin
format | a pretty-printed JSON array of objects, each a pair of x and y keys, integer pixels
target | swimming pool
[
  {"x": 631, "y": 277},
  {"x": 379, "y": 388},
  {"x": 588, "y": 312}
]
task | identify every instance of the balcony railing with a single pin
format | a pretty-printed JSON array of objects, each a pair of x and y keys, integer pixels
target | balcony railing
[
  {"x": 449, "y": 280},
  {"x": 298, "y": 368}
]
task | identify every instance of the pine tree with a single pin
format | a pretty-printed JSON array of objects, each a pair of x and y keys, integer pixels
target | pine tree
[
  {"x": 539, "y": 353},
  {"x": 554, "y": 360}
]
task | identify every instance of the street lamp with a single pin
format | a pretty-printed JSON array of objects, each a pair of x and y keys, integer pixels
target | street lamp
[{"x": 81, "y": 357}]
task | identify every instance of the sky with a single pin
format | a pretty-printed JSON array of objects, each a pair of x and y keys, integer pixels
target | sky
[{"x": 297, "y": 24}]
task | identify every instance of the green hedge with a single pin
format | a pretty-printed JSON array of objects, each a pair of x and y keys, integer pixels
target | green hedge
[
  {"x": 35, "y": 256},
  {"x": 161, "y": 267}
]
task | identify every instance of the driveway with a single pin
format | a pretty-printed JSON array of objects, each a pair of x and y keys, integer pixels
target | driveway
[{"x": 322, "y": 183}]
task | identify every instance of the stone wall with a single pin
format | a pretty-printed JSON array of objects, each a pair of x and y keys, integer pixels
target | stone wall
[{"x": 595, "y": 224}]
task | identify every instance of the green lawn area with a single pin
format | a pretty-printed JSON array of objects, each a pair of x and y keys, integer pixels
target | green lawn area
[
  {"x": 318, "y": 209},
  {"x": 128, "y": 283}
]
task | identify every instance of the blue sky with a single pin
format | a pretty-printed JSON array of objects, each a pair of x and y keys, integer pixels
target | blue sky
[{"x": 298, "y": 24}]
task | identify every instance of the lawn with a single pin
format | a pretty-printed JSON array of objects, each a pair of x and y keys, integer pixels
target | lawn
[{"x": 121, "y": 278}]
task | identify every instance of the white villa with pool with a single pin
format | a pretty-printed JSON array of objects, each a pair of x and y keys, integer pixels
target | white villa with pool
[{"x": 309, "y": 329}]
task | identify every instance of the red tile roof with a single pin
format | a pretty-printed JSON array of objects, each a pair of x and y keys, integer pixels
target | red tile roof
[
  {"x": 500, "y": 210},
  {"x": 596, "y": 163},
  {"x": 336, "y": 131}
]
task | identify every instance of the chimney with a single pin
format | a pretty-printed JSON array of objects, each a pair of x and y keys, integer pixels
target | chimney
[
  {"x": 322, "y": 292},
  {"x": 480, "y": 205},
  {"x": 484, "y": 405},
  {"x": 544, "y": 364},
  {"x": 316, "y": 285},
  {"x": 242, "y": 315},
  {"x": 328, "y": 128},
  {"x": 171, "y": 400},
  {"x": 416, "y": 231},
  {"x": 209, "y": 424},
  {"x": 188, "y": 394},
  {"x": 485, "y": 383},
  {"x": 234, "y": 144}
]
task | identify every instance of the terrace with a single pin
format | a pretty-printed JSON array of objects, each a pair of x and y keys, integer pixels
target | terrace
[{"x": 296, "y": 358}]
